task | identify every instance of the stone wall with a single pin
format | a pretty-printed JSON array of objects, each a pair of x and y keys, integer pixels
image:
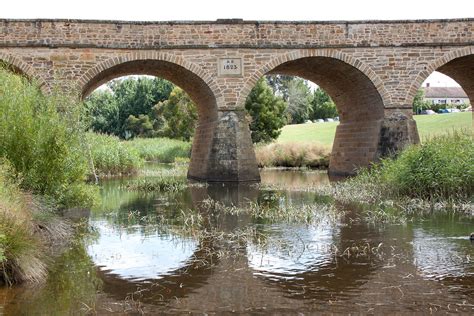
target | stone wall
[{"x": 372, "y": 69}]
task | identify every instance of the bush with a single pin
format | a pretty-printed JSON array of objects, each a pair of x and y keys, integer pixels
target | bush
[
  {"x": 43, "y": 140},
  {"x": 310, "y": 155},
  {"x": 112, "y": 156},
  {"x": 160, "y": 149},
  {"x": 441, "y": 168}
]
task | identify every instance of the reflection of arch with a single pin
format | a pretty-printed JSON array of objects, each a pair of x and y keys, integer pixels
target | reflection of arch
[
  {"x": 179, "y": 283},
  {"x": 457, "y": 64},
  {"x": 332, "y": 279},
  {"x": 20, "y": 67},
  {"x": 199, "y": 85},
  {"x": 294, "y": 56}
]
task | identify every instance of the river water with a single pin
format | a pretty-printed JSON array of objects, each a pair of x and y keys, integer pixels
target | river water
[{"x": 150, "y": 253}]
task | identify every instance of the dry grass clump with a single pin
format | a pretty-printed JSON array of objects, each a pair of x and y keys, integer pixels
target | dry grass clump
[
  {"x": 297, "y": 154},
  {"x": 26, "y": 229}
]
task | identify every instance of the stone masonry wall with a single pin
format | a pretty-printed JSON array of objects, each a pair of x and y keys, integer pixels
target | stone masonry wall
[{"x": 372, "y": 68}]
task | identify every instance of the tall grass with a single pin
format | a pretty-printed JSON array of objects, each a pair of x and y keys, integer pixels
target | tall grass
[
  {"x": 42, "y": 139},
  {"x": 160, "y": 149},
  {"x": 25, "y": 225},
  {"x": 111, "y": 156},
  {"x": 311, "y": 155},
  {"x": 442, "y": 169}
]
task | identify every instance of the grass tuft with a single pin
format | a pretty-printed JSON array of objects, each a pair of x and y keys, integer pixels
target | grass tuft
[{"x": 311, "y": 155}]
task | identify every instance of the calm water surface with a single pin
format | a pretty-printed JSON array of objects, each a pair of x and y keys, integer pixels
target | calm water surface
[{"x": 141, "y": 253}]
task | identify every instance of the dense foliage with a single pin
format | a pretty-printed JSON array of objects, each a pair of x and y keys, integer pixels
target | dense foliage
[
  {"x": 42, "y": 139},
  {"x": 266, "y": 111},
  {"x": 322, "y": 106},
  {"x": 177, "y": 116},
  {"x": 108, "y": 110},
  {"x": 441, "y": 168}
]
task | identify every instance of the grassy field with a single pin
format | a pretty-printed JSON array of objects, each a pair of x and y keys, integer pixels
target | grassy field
[{"x": 428, "y": 126}]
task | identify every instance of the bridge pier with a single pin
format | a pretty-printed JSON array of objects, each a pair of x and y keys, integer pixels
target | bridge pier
[
  {"x": 359, "y": 143},
  {"x": 223, "y": 150}
]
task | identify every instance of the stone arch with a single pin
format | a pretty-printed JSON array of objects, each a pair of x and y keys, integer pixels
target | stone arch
[
  {"x": 19, "y": 66},
  {"x": 199, "y": 85},
  {"x": 457, "y": 64},
  {"x": 329, "y": 54},
  {"x": 359, "y": 95}
]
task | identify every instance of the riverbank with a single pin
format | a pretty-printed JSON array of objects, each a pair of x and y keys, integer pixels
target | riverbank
[
  {"x": 43, "y": 169},
  {"x": 28, "y": 230}
]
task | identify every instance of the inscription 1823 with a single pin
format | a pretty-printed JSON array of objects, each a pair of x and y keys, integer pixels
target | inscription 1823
[{"x": 230, "y": 67}]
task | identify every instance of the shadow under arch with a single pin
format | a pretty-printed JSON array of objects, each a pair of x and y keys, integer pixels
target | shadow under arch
[
  {"x": 19, "y": 67},
  {"x": 197, "y": 85},
  {"x": 458, "y": 64},
  {"x": 358, "y": 93}
]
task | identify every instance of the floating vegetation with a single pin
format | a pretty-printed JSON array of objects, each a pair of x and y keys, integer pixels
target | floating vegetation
[{"x": 160, "y": 184}]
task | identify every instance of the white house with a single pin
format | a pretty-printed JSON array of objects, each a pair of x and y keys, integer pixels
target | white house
[{"x": 445, "y": 95}]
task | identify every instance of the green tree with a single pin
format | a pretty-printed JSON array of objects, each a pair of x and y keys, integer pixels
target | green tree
[
  {"x": 109, "y": 110},
  {"x": 299, "y": 101},
  {"x": 280, "y": 84},
  {"x": 176, "y": 117},
  {"x": 266, "y": 111},
  {"x": 101, "y": 112},
  {"x": 419, "y": 103},
  {"x": 139, "y": 126},
  {"x": 322, "y": 106}
]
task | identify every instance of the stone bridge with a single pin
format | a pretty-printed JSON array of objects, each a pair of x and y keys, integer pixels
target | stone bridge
[{"x": 371, "y": 69}]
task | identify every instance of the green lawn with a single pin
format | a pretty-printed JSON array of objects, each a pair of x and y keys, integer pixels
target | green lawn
[{"x": 428, "y": 125}]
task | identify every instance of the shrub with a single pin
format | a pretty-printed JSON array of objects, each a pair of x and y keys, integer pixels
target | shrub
[
  {"x": 160, "y": 149},
  {"x": 43, "y": 140},
  {"x": 112, "y": 156},
  {"x": 443, "y": 167},
  {"x": 440, "y": 170},
  {"x": 311, "y": 155}
]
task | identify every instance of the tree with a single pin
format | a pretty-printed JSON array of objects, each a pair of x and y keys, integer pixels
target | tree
[
  {"x": 176, "y": 117},
  {"x": 109, "y": 110},
  {"x": 322, "y": 106},
  {"x": 299, "y": 101},
  {"x": 139, "y": 126},
  {"x": 266, "y": 111},
  {"x": 280, "y": 84},
  {"x": 419, "y": 103},
  {"x": 101, "y": 111}
]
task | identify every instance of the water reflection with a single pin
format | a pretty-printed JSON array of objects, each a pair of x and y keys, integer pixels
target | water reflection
[
  {"x": 291, "y": 250},
  {"x": 146, "y": 257},
  {"x": 138, "y": 254}
]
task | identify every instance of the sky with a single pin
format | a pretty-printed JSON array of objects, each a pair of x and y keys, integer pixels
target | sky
[
  {"x": 156, "y": 10},
  {"x": 210, "y": 10}
]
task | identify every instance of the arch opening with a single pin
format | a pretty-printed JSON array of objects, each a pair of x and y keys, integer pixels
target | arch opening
[
  {"x": 448, "y": 90},
  {"x": 198, "y": 90},
  {"x": 358, "y": 102}
]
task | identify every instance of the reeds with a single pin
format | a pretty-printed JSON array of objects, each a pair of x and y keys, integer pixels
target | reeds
[
  {"x": 112, "y": 157},
  {"x": 296, "y": 154},
  {"x": 163, "y": 150}
]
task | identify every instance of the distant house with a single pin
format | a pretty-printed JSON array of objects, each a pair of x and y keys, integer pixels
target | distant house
[{"x": 445, "y": 95}]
